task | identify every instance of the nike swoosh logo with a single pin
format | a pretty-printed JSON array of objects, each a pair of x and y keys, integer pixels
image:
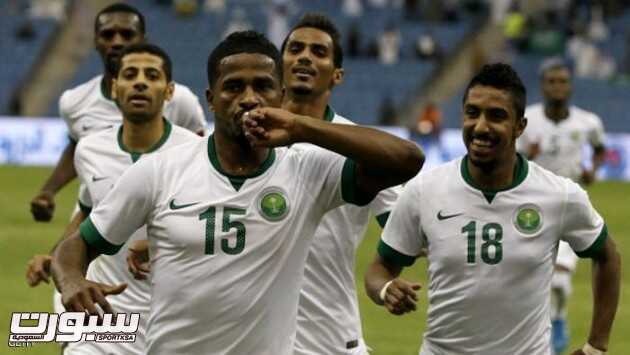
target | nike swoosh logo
[
  {"x": 442, "y": 217},
  {"x": 174, "y": 206},
  {"x": 95, "y": 179}
]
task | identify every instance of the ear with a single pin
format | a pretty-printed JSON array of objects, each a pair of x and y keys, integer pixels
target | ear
[
  {"x": 114, "y": 89},
  {"x": 337, "y": 77},
  {"x": 209, "y": 97},
  {"x": 521, "y": 124},
  {"x": 170, "y": 90}
]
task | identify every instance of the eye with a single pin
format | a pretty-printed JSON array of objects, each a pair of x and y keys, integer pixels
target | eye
[
  {"x": 127, "y": 34},
  {"x": 295, "y": 47},
  {"x": 320, "y": 51},
  {"x": 471, "y": 111},
  {"x": 232, "y": 86},
  {"x": 153, "y": 74},
  {"x": 107, "y": 34},
  {"x": 128, "y": 74}
]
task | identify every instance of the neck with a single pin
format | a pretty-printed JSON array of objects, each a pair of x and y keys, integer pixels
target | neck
[
  {"x": 497, "y": 178},
  {"x": 307, "y": 105},
  {"x": 106, "y": 85},
  {"x": 238, "y": 157},
  {"x": 140, "y": 137},
  {"x": 557, "y": 111}
]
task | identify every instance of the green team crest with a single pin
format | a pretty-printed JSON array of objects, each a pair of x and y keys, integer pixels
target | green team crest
[
  {"x": 528, "y": 219},
  {"x": 273, "y": 204}
]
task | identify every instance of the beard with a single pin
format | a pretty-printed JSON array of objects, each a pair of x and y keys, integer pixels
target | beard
[{"x": 485, "y": 166}]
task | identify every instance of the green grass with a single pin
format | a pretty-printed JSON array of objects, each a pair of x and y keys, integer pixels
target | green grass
[{"x": 20, "y": 238}]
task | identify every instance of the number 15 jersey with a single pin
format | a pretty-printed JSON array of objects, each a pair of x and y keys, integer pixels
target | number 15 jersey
[{"x": 227, "y": 252}]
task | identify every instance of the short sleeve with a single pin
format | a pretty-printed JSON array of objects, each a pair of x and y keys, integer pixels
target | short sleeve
[
  {"x": 185, "y": 111},
  {"x": 124, "y": 209},
  {"x": 596, "y": 135},
  {"x": 383, "y": 204},
  {"x": 64, "y": 112},
  {"x": 402, "y": 239},
  {"x": 85, "y": 199},
  {"x": 322, "y": 173},
  {"x": 583, "y": 228}
]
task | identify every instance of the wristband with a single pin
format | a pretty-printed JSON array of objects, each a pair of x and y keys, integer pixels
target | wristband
[
  {"x": 383, "y": 291},
  {"x": 588, "y": 349}
]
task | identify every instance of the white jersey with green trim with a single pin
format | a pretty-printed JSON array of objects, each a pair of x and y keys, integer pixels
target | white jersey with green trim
[
  {"x": 328, "y": 312},
  {"x": 561, "y": 144},
  {"x": 227, "y": 252},
  {"x": 490, "y": 254},
  {"x": 86, "y": 110},
  {"x": 100, "y": 159}
]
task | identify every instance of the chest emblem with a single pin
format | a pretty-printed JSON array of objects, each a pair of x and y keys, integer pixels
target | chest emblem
[
  {"x": 528, "y": 219},
  {"x": 273, "y": 204}
]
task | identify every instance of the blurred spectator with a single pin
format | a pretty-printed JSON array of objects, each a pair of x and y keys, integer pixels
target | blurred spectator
[
  {"x": 411, "y": 9},
  {"x": 214, "y": 6},
  {"x": 278, "y": 20},
  {"x": 388, "y": 116},
  {"x": 427, "y": 48},
  {"x": 429, "y": 123},
  {"x": 185, "y": 7},
  {"x": 53, "y": 9},
  {"x": 238, "y": 22},
  {"x": 378, "y": 4},
  {"x": 546, "y": 36},
  {"x": 354, "y": 41},
  {"x": 515, "y": 28},
  {"x": 597, "y": 29},
  {"x": 450, "y": 10},
  {"x": 588, "y": 60},
  {"x": 389, "y": 45},
  {"x": 352, "y": 8}
]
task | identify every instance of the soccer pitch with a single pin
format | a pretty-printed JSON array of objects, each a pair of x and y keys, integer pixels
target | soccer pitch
[{"x": 20, "y": 238}]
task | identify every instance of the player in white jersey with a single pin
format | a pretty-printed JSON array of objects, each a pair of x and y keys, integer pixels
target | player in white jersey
[
  {"x": 556, "y": 135},
  {"x": 141, "y": 87},
  {"x": 229, "y": 219},
  {"x": 328, "y": 312},
  {"x": 88, "y": 108},
  {"x": 491, "y": 222}
]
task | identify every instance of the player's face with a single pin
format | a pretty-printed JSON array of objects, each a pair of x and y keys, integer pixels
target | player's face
[
  {"x": 141, "y": 87},
  {"x": 245, "y": 81},
  {"x": 116, "y": 31},
  {"x": 490, "y": 126},
  {"x": 556, "y": 85},
  {"x": 308, "y": 63}
]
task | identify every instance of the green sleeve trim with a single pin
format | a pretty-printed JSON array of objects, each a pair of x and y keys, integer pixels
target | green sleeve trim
[
  {"x": 72, "y": 140},
  {"x": 85, "y": 208},
  {"x": 93, "y": 238},
  {"x": 349, "y": 191},
  {"x": 597, "y": 245},
  {"x": 392, "y": 256},
  {"x": 382, "y": 219}
]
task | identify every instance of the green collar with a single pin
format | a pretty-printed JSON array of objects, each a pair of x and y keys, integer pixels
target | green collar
[
  {"x": 520, "y": 173},
  {"x": 136, "y": 155},
  {"x": 329, "y": 114},
  {"x": 238, "y": 180}
]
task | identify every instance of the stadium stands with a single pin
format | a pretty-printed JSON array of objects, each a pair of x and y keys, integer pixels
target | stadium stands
[
  {"x": 188, "y": 40},
  {"x": 22, "y": 40}
]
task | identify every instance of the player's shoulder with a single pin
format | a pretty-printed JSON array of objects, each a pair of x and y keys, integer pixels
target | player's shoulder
[
  {"x": 545, "y": 179},
  {"x": 183, "y": 95},
  {"x": 181, "y": 135},
  {"x": 438, "y": 179},
  {"x": 98, "y": 140},
  {"x": 535, "y": 112},
  {"x": 73, "y": 99},
  {"x": 584, "y": 116}
]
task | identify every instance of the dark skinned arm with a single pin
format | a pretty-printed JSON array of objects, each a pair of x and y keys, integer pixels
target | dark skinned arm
[
  {"x": 400, "y": 296},
  {"x": 43, "y": 204}
]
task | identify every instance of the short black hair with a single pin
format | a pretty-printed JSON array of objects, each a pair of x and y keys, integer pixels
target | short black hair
[
  {"x": 323, "y": 23},
  {"x": 552, "y": 64},
  {"x": 151, "y": 49},
  {"x": 120, "y": 7},
  {"x": 501, "y": 76},
  {"x": 251, "y": 42}
]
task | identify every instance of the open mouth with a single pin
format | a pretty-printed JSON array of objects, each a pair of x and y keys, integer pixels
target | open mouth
[{"x": 483, "y": 145}]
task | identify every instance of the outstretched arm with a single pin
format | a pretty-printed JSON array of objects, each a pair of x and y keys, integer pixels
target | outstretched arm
[
  {"x": 606, "y": 283},
  {"x": 382, "y": 160},
  {"x": 43, "y": 204},
  {"x": 69, "y": 265}
]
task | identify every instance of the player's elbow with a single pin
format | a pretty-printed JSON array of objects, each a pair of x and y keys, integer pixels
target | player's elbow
[{"x": 411, "y": 161}]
